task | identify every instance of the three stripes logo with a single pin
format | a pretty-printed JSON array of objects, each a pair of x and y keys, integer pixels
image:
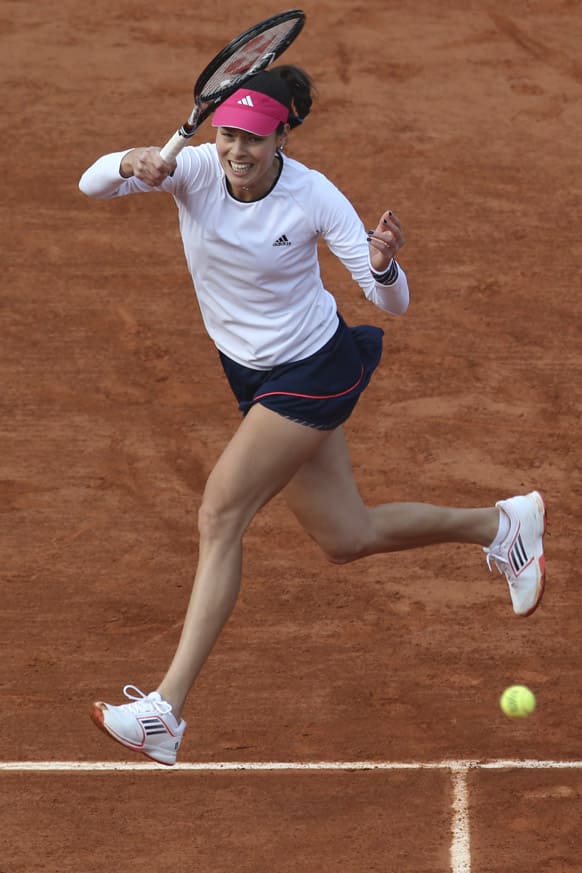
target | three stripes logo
[
  {"x": 518, "y": 556},
  {"x": 282, "y": 241},
  {"x": 246, "y": 101},
  {"x": 153, "y": 726}
]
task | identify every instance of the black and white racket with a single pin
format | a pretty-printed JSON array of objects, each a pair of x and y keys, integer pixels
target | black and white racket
[{"x": 244, "y": 56}]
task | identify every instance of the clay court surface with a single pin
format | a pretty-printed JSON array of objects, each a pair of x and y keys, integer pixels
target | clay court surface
[{"x": 462, "y": 117}]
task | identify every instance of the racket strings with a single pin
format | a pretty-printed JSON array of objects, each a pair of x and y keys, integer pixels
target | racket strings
[{"x": 252, "y": 56}]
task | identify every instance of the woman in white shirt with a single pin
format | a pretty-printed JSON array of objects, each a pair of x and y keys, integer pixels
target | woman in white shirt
[{"x": 250, "y": 219}]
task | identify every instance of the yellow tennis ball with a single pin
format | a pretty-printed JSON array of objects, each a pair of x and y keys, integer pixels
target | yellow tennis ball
[{"x": 517, "y": 701}]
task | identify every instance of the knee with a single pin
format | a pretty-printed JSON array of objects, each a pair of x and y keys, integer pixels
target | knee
[
  {"x": 344, "y": 550},
  {"x": 218, "y": 519}
]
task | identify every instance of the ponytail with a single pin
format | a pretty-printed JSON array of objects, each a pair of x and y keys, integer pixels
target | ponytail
[{"x": 301, "y": 89}]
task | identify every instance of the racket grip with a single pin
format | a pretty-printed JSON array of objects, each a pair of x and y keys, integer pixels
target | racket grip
[{"x": 174, "y": 145}]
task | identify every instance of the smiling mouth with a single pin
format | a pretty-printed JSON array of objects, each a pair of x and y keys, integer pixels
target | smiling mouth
[{"x": 239, "y": 169}]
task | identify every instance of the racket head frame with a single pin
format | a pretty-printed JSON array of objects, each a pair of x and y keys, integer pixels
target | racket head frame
[
  {"x": 239, "y": 42},
  {"x": 206, "y": 102}
]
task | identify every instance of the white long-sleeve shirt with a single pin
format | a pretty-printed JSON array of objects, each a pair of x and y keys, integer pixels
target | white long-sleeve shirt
[{"x": 254, "y": 265}]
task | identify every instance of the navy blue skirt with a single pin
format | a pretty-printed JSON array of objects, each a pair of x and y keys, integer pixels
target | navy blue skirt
[{"x": 319, "y": 391}]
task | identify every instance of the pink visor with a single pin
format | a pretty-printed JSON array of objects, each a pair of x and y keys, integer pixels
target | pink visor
[{"x": 251, "y": 111}]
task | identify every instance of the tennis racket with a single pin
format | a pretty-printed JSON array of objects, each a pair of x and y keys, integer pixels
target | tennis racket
[{"x": 244, "y": 56}]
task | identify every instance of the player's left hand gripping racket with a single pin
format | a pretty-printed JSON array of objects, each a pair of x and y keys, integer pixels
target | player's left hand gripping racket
[{"x": 244, "y": 56}]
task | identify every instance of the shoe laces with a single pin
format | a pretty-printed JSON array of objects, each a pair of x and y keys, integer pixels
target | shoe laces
[
  {"x": 501, "y": 563},
  {"x": 145, "y": 702}
]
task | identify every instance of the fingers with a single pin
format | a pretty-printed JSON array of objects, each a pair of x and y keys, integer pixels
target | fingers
[
  {"x": 387, "y": 238},
  {"x": 149, "y": 167},
  {"x": 385, "y": 241},
  {"x": 390, "y": 219}
]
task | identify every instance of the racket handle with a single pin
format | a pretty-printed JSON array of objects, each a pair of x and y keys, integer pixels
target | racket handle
[{"x": 174, "y": 145}]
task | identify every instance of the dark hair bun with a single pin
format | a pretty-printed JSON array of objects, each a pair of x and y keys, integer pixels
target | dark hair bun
[{"x": 301, "y": 90}]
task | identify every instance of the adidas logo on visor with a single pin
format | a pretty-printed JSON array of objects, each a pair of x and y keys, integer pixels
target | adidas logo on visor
[{"x": 246, "y": 101}]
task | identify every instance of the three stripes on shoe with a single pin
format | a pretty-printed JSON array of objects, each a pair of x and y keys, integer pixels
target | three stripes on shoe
[
  {"x": 154, "y": 726},
  {"x": 518, "y": 556}
]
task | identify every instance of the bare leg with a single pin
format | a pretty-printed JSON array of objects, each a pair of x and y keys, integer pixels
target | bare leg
[
  {"x": 266, "y": 454},
  {"x": 325, "y": 498},
  {"x": 262, "y": 456}
]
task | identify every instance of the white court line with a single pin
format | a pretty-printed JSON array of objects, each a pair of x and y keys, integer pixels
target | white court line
[
  {"x": 212, "y": 766},
  {"x": 461, "y": 837},
  {"x": 460, "y": 850}
]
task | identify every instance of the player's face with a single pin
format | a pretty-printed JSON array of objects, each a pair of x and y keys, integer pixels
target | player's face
[{"x": 248, "y": 161}]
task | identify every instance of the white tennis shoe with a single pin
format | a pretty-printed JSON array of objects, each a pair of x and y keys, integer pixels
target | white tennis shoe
[
  {"x": 146, "y": 725},
  {"x": 521, "y": 554}
]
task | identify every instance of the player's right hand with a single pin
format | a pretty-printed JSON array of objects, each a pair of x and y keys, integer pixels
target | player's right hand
[{"x": 147, "y": 165}]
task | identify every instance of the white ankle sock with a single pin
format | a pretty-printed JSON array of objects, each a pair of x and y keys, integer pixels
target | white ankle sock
[{"x": 502, "y": 530}]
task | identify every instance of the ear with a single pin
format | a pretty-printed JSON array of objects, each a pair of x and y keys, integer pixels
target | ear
[{"x": 282, "y": 138}]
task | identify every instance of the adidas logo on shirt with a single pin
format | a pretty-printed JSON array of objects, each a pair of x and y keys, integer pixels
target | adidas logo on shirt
[
  {"x": 282, "y": 241},
  {"x": 246, "y": 101}
]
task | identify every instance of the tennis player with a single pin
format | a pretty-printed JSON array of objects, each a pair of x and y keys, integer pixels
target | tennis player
[{"x": 250, "y": 219}]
